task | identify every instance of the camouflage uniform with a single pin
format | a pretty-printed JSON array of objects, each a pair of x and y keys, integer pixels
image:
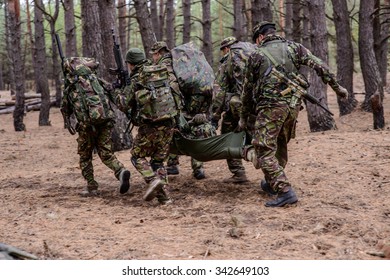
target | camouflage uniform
[
  {"x": 152, "y": 139},
  {"x": 90, "y": 137},
  {"x": 193, "y": 104},
  {"x": 227, "y": 97},
  {"x": 276, "y": 114}
]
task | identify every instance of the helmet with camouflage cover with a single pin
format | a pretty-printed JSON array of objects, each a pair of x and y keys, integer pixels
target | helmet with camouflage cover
[
  {"x": 158, "y": 46},
  {"x": 260, "y": 28},
  {"x": 228, "y": 41},
  {"x": 135, "y": 56}
]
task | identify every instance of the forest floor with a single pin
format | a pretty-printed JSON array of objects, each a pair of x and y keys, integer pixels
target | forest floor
[{"x": 342, "y": 179}]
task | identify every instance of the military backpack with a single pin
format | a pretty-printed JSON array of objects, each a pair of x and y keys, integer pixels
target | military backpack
[
  {"x": 195, "y": 75},
  {"x": 154, "y": 98},
  {"x": 85, "y": 91}
]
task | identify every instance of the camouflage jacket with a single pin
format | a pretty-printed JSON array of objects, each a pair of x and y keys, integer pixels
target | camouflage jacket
[
  {"x": 260, "y": 91},
  {"x": 230, "y": 76},
  {"x": 166, "y": 59},
  {"x": 125, "y": 100}
]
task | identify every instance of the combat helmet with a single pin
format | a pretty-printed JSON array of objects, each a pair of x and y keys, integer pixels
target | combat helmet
[
  {"x": 158, "y": 46},
  {"x": 260, "y": 28},
  {"x": 135, "y": 56},
  {"x": 228, "y": 41}
]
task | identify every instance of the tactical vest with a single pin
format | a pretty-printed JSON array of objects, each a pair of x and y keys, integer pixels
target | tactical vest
[
  {"x": 276, "y": 54},
  {"x": 85, "y": 92},
  {"x": 154, "y": 99}
]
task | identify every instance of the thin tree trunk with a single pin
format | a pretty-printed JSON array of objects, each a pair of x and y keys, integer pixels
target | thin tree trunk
[
  {"x": 1, "y": 76},
  {"x": 70, "y": 29},
  {"x": 170, "y": 24},
  {"x": 122, "y": 26},
  {"x": 344, "y": 54},
  {"x": 288, "y": 30},
  {"x": 40, "y": 60},
  {"x": 8, "y": 44},
  {"x": 238, "y": 21},
  {"x": 297, "y": 21},
  {"x": 32, "y": 47},
  {"x": 207, "y": 46},
  {"x": 186, "y": 21},
  {"x": 319, "y": 120},
  {"x": 145, "y": 24},
  {"x": 369, "y": 66},
  {"x": 381, "y": 33},
  {"x": 52, "y": 18},
  {"x": 161, "y": 17},
  {"x": 17, "y": 63},
  {"x": 107, "y": 22},
  {"x": 155, "y": 19}
]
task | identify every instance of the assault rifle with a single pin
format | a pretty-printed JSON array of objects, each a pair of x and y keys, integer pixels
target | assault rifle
[
  {"x": 67, "y": 122},
  {"x": 123, "y": 78},
  {"x": 297, "y": 88}
]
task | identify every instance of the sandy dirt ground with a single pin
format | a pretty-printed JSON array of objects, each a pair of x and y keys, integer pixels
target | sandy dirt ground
[{"x": 342, "y": 179}]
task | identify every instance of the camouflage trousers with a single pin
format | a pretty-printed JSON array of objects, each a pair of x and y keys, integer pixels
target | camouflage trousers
[
  {"x": 200, "y": 131},
  {"x": 98, "y": 137},
  {"x": 273, "y": 129},
  {"x": 229, "y": 124},
  {"x": 152, "y": 141}
]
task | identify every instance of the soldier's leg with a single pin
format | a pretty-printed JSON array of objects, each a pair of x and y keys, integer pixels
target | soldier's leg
[
  {"x": 85, "y": 149},
  {"x": 269, "y": 125},
  {"x": 106, "y": 154},
  {"x": 197, "y": 169},
  {"x": 104, "y": 149},
  {"x": 229, "y": 124},
  {"x": 172, "y": 164}
]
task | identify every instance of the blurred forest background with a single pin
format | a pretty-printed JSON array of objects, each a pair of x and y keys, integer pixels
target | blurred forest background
[{"x": 350, "y": 35}]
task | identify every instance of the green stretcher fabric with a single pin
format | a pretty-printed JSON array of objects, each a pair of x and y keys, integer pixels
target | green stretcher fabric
[{"x": 225, "y": 146}]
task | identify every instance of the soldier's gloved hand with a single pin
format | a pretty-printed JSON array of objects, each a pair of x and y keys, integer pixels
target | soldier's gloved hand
[
  {"x": 242, "y": 124},
  {"x": 342, "y": 92},
  {"x": 199, "y": 119}
]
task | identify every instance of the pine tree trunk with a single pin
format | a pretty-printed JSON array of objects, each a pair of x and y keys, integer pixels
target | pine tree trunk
[
  {"x": 344, "y": 54},
  {"x": 207, "y": 47},
  {"x": 145, "y": 24},
  {"x": 155, "y": 19},
  {"x": 122, "y": 25},
  {"x": 186, "y": 21},
  {"x": 170, "y": 24},
  {"x": 238, "y": 24},
  {"x": 369, "y": 66},
  {"x": 41, "y": 65},
  {"x": 70, "y": 29},
  {"x": 17, "y": 62},
  {"x": 319, "y": 120}
]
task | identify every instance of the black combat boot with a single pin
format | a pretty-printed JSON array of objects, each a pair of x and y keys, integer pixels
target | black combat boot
[
  {"x": 266, "y": 187},
  {"x": 199, "y": 174},
  {"x": 172, "y": 170},
  {"x": 124, "y": 178},
  {"x": 284, "y": 197}
]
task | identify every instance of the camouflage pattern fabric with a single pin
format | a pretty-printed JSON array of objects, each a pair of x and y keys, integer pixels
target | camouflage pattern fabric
[
  {"x": 276, "y": 119},
  {"x": 85, "y": 92},
  {"x": 152, "y": 141},
  {"x": 98, "y": 137},
  {"x": 230, "y": 79},
  {"x": 155, "y": 101},
  {"x": 195, "y": 75},
  {"x": 166, "y": 60}
]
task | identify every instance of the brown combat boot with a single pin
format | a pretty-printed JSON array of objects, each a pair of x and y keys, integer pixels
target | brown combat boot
[
  {"x": 91, "y": 189},
  {"x": 237, "y": 178}
]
